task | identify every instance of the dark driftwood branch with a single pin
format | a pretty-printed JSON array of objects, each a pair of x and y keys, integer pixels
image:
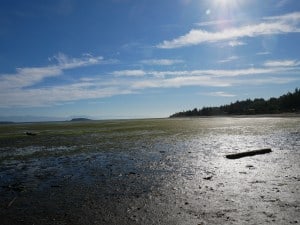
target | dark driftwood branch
[{"x": 249, "y": 153}]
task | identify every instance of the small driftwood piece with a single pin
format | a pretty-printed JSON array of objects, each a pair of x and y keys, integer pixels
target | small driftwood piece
[
  {"x": 11, "y": 202},
  {"x": 249, "y": 153},
  {"x": 30, "y": 133}
]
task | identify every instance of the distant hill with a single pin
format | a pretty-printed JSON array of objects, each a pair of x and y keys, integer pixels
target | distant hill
[
  {"x": 79, "y": 119},
  {"x": 287, "y": 103},
  {"x": 6, "y": 122}
]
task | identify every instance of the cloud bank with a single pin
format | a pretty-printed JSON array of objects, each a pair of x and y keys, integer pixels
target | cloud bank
[{"x": 21, "y": 89}]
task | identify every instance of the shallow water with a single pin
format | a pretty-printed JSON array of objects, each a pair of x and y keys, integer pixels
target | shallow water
[{"x": 163, "y": 171}]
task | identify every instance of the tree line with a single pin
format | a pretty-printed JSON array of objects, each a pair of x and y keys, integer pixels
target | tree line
[{"x": 286, "y": 103}]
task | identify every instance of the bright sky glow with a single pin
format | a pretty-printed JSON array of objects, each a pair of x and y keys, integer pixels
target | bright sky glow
[
  {"x": 136, "y": 59},
  {"x": 226, "y": 4}
]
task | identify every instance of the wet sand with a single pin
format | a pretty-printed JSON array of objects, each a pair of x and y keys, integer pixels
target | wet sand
[{"x": 177, "y": 177}]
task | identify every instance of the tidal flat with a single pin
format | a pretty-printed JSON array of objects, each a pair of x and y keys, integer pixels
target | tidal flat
[{"x": 151, "y": 171}]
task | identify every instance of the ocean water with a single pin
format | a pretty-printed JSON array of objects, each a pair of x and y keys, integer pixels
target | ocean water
[{"x": 154, "y": 171}]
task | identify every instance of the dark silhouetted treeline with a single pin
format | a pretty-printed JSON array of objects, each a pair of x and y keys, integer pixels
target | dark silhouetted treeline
[{"x": 287, "y": 103}]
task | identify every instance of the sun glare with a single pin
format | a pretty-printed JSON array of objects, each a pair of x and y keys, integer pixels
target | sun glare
[
  {"x": 226, "y": 3},
  {"x": 226, "y": 9},
  {"x": 223, "y": 2}
]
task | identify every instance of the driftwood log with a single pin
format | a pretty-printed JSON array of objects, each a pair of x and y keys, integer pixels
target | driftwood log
[{"x": 249, "y": 153}]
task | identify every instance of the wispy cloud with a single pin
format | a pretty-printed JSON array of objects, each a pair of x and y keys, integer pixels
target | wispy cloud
[
  {"x": 235, "y": 43},
  {"x": 273, "y": 25},
  {"x": 25, "y": 77},
  {"x": 16, "y": 88},
  {"x": 58, "y": 94},
  {"x": 290, "y": 17},
  {"x": 213, "y": 78},
  {"x": 266, "y": 81},
  {"x": 177, "y": 82},
  {"x": 282, "y": 63},
  {"x": 240, "y": 72},
  {"x": 65, "y": 62},
  {"x": 229, "y": 59},
  {"x": 282, "y": 3},
  {"x": 213, "y": 23},
  {"x": 219, "y": 72},
  {"x": 263, "y": 53},
  {"x": 129, "y": 73},
  {"x": 161, "y": 62},
  {"x": 211, "y": 72},
  {"x": 220, "y": 94}
]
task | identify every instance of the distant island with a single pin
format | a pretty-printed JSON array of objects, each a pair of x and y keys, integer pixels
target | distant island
[
  {"x": 79, "y": 119},
  {"x": 287, "y": 103}
]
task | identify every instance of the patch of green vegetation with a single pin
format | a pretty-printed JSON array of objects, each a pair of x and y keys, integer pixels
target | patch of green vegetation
[
  {"x": 69, "y": 138},
  {"x": 76, "y": 137}
]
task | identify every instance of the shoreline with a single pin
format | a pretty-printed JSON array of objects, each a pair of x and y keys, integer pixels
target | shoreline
[{"x": 283, "y": 115}]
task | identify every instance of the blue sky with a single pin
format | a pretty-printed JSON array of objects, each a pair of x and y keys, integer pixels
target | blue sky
[{"x": 143, "y": 58}]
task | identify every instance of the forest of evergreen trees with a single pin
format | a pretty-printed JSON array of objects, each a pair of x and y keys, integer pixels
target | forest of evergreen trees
[{"x": 287, "y": 103}]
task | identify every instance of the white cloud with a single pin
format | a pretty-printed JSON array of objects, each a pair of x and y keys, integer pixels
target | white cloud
[
  {"x": 25, "y": 77},
  {"x": 282, "y": 63},
  {"x": 213, "y": 23},
  {"x": 273, "y": 25},
  {"x": 161, "y": 62},
  {"x": 177, "y": 82},
  {"x": 220, "y": 94},
  {"x": 282, "y": 3},
  {"x": 248, "y": 71},
  {"x": 129, "y": 73},
  {"x": 219, "y": 73},
  {"x": 266, "y": 80},
  {"x": 229, "y": 59},
  {"x": 235, "y": 43},
  {"x": 65, "y": 62},
  {"x": 55, "y": 95},
  {"x": 263, "y": 53},
  {"x": 290, "y": 17},
  {"x": 212, "y": 78}
]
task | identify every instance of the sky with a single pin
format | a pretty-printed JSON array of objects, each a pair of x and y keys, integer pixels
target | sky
[{"x": 117, "y": 59}]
